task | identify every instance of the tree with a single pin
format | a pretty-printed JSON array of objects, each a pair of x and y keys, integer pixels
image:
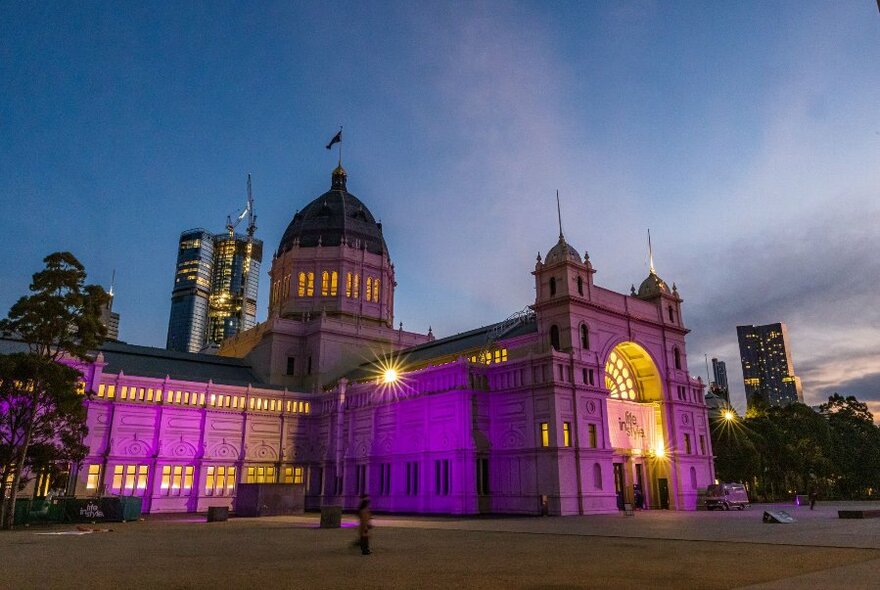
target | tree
[
  {"x": 855, "y": 446},
  {"x": 41, "y": 411}
]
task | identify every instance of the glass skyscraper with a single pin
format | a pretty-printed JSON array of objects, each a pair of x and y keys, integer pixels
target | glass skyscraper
[
  {"x": 215, "y": 289},
  {"x": 766, "y": 364}
]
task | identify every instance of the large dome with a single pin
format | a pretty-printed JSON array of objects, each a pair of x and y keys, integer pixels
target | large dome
[{"x": 334, "y": 218}]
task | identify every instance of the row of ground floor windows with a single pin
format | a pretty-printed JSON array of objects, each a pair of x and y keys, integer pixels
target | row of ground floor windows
[{"x": 178, "y": 480}]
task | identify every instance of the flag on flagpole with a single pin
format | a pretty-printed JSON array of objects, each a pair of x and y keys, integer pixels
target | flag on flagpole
[{"x": 336, "y": 139}]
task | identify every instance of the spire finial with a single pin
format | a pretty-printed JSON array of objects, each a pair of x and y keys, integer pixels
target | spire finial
[
  {"x": 559, "y": 213},
  {"x": 112, "y": 282},
  {"x": 650, "y": 253}
]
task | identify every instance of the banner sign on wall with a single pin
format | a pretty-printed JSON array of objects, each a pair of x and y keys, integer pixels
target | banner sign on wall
[{"x": 631, "y": 425}]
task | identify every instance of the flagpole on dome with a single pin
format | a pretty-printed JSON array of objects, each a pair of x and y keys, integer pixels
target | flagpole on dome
[{"x": 337, "y": 139}]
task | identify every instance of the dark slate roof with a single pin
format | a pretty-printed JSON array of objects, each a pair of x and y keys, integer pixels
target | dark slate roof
[
  {"x": 451, "y": 346},
  {"x": 146, "y": 361},
  {"x": 334, "y": 218}
]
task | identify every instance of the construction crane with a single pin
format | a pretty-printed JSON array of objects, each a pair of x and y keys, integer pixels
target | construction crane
[
  {"x": 248, "y": 212},
  {"x": 248, "y": 252}
]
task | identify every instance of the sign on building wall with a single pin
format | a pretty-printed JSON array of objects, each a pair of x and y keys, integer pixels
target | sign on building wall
[{"x": 631, "y": 425}]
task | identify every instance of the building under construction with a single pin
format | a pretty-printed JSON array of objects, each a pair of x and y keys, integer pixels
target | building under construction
[{"x": 215, "y": 284}]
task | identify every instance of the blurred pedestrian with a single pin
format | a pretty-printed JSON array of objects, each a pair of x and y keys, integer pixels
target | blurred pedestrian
[
  {"x": 813, "y": 496},
  {"x": 364, "y": 524}
]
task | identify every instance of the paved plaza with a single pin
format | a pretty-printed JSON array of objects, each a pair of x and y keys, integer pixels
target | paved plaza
[{"x": 655, "y": 549}]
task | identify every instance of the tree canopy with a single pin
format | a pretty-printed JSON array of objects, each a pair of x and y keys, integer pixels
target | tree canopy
[
  {"x": 42, "y": 416},
  {"x": 781, "y": 451}
]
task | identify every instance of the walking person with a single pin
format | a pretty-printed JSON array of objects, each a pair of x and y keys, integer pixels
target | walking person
[
  {"x": 813, "y": 496},
  {"x": 364, "y": 524}
]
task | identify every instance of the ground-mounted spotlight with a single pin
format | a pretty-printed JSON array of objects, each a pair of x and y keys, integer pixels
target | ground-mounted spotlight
[
  {"x": 729, "y": 415},
  {"x": 390, "y": 376}
]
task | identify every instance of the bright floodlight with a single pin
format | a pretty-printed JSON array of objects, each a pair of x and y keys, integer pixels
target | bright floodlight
[
  {"x": 728, "y": 415},
  {"x": 390, "y": 376},
  {"x": 659, "y": 452}
]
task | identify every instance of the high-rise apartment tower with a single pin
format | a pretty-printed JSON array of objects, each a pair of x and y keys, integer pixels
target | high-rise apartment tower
[
  {"x": 215, "y": 285},
  {"x": 766, "y": 364}
]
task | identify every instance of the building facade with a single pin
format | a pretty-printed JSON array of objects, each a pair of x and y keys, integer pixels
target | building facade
[
  {"x": 581, "y": 403},
  {"x": 768, "y": 371},
  {"x": 215, "y": 289}
]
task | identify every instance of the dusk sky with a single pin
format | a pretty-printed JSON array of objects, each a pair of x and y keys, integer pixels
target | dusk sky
[{"x": 745, "y": 135}]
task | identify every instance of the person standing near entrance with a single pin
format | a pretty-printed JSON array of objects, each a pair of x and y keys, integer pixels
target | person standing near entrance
[
  {"x": 813, "y": 496},
  {"x": 364, "y": 525}
]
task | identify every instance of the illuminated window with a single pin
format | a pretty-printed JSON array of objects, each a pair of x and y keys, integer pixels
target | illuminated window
[
  {"x": 129, "y": 480},
  {"x": 334, "y": 279},
  {"x": 566, "y": 434},
  {"x": 348, "y": 285},
  {"x": 220, "y": 480},
  {"x": 93, "y": 479},
  {"x": 306, "y": 286},
  {"x": 356, "y": 286},
  {"x": 111, "y": 391},
  {"x": 545, "y": 434},
  {"x": 261, "y": 474},
  {"x": 325, "y": 283},
  {"x": 376, "y": 290},
  {"x": 369, "y": 289},
  {"x": 101, "y": 390},
  {"x": 619, "y": 378}
]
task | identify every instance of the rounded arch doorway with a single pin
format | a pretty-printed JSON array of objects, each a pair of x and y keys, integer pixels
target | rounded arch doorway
[{"x": 635, "y": 422}]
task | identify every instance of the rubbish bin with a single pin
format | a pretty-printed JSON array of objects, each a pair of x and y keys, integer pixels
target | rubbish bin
[
  {"x": 331, "y": 517},
  {"x": 131, "y": 507},
  {"x": 22, "y": 511}
]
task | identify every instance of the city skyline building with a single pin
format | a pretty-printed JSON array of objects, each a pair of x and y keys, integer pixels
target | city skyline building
[
  {"x": 719, "y": 385},
  {"x": 767, "y": 366},
  {"x": 110, "y": 318},
  {"x": 215, "y": 284}
]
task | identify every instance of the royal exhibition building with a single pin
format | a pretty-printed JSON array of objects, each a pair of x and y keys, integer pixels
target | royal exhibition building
[{"x": 569, "y": 407}]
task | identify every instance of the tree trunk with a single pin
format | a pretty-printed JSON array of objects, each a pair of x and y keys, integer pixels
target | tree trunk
[{"x": 9, "y": 508}]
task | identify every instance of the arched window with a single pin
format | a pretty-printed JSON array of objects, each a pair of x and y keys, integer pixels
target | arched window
[
  {"x": 301, "y": 291},
  {"x": 376, "y": 290},
  {"x": 356, "y": 288},
  {"x": 671, "y": 314},
  {"x": 597, "y": 476},
  {"x": 552, "y": 286},
  {"x": 585, "y": 337},
  {"x": 554, "y": 336},
  {"x": 369, "y": 291},
  {"x": 334, "y": 280},
  {"x": 693, "y": 478},
  {"x": 676, "y": 355},
  {"x": 580, "y": 286},
  {"x": 325, "y": 283},
  {"x": 310, "y": 284}
]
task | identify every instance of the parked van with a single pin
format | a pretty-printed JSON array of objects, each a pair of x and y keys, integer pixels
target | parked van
[{"x": 726, "y": 496}]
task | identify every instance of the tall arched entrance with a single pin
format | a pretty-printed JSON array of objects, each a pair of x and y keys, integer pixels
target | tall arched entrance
[{"x": 635, "y": 425}]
